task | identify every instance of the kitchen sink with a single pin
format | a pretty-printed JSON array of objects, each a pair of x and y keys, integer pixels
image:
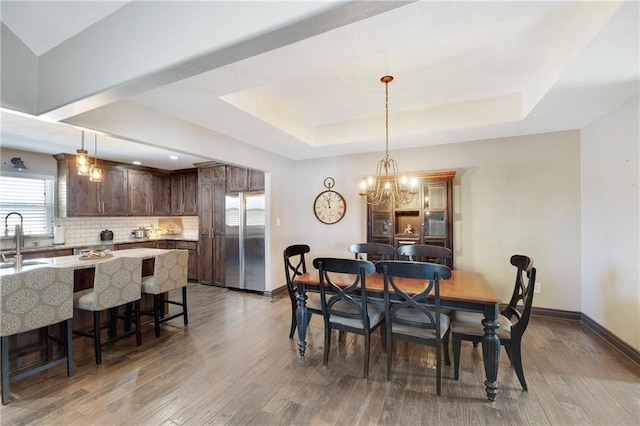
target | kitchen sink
[{"x": 29, "y": 262}]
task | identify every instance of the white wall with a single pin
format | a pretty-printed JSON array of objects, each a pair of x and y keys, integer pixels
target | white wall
[
  {"x": 611, "y": 222},
  {"x": 514, "y": 195},
  {"x": 36, "y": 163}
]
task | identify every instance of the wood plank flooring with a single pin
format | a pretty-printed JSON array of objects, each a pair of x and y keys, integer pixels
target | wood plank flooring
[{"x": 234, "y": 364}]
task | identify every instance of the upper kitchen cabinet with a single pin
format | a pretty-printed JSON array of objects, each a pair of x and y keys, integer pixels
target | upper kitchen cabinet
[
  {"x": 184, "y": 192},
  {"x": 78, "y": 196},
  {"x": 148, "y": 193},
  {"x": 244, "y": 180}
]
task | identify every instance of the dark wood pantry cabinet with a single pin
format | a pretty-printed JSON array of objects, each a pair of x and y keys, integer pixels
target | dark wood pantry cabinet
[{"x": 211, "y": 231}]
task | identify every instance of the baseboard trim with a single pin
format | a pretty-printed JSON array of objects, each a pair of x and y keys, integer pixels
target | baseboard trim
[
  {"x": 556, "y": 313},
  {"x": 278, "y": 292},
  {"x": 630, "y": 352}
]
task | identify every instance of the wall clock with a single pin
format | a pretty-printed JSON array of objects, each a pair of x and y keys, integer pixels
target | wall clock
[{"x": 329, "y": 206}]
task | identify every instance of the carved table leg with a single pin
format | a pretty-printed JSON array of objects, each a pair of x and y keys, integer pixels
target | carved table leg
[
  {"x": 302, "y": 317},
  {"x": 491, "y": 350}
]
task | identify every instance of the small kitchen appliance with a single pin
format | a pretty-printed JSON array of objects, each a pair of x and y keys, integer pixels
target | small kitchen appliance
[
  {"x": 140, "y": 233},
  {"x": 106, "y": 235}
]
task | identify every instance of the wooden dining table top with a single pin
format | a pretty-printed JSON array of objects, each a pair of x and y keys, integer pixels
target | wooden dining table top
[{"x": 463, "y": 286}]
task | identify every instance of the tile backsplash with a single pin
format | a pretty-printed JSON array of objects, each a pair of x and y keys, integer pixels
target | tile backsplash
[{"x": 86, "y": 230}]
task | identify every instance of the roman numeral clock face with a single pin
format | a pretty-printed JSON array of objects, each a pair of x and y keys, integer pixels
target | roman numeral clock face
[{"x": 329, "y": 206}]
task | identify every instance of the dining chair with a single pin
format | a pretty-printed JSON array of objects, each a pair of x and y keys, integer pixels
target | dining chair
[
  {"x": 170, "y": 272},
  {"x": 117, "y": 282},
  {"x": 426, "y": 253},
  {"x": 30, "y": 300},
  {"x": 374, "y": 251},
  {"x": 513, "y": 320},
  {"x": 415, "y": 318},
  {"x": 295, "y": 265},
  {"x": 344, "y": 302}
]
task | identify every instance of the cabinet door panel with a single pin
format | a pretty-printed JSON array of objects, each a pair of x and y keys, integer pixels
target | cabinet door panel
[
  {"x": 190, "y": 194},
  {"x": 82, "y": 195},
  {"x": 176, "y": 194},
  {"x": 237, "y": 179},
  {"x": 161, "y": 195},
  {"x": 256, "y": 180},
  {"x": 113, "y": 191},
  {"x": 140, "y": 190}
]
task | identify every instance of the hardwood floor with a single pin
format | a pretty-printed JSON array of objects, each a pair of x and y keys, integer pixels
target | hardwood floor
[{"x": 234, "y": 364}]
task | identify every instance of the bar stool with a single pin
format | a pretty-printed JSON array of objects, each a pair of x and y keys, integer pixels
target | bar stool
[
  {"x": 170, "y": 272},
  {"x": 116, "y": 283},
  {"x": 33, "y": 299}
]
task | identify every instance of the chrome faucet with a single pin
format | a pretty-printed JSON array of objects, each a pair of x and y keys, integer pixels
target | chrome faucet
[{"x": 18, "y": 238}]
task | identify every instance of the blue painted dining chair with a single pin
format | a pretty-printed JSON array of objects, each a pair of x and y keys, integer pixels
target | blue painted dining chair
[
  {"x": 415, "y": 318},
  {"x": 344, "y": 302},
  {"x": 513, "y": 319}
]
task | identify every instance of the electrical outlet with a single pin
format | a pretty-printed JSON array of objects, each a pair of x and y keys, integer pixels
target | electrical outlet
[{"x": 538, "y": 288}]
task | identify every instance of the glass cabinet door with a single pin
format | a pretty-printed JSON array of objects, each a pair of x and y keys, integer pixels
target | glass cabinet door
[{"x": 435, "y": 210}]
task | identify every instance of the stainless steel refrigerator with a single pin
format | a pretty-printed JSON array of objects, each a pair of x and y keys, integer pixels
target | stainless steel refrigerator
[{"x": 244, "y": 241}]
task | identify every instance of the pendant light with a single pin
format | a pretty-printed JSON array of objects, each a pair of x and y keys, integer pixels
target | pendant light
[
  {"x": 95, "y": 172},
  {"x": 387, "y": 185},
  {"x": 82, "y": 158}
]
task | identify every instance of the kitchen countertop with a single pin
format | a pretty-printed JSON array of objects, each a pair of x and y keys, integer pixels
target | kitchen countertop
[
  {"x": 74, "y": 261},
  {"x": 188, "y": 237}
]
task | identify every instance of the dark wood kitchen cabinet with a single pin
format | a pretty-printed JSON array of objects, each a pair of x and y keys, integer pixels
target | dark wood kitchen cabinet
[
  {"x": 149, "y": 193},
  {"x": 78, "y": 196},
  {"x": 161, "y": 201},
  {"x": 140, "y": 185},
  {"x": 211, "y": 247},
  {"x": 244, "y": 180},
  {"x": 184, "y": 193}
]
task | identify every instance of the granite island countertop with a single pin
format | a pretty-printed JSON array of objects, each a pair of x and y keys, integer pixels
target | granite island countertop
[
  {"x": 76, "y": 262},
  {"x": 180, "y": 237}
]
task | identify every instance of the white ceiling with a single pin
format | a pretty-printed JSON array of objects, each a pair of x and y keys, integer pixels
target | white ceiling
[{"x": 301, "y": 79}]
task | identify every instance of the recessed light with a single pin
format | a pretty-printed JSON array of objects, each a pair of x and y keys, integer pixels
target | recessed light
[
  {"x": 173, "y": 157},
  {"x": 137, "y": 163}
]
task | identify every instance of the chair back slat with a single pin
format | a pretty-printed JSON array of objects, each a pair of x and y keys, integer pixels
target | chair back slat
[
  {"x": 426, "y": 253},
  {"x": 374, "y": 251},
  {"x": 432, "y": 274},
  {"x": 347, "y": 300},
  {"x": 517, "y": 303},
  {"x": 294, "y": 265}
]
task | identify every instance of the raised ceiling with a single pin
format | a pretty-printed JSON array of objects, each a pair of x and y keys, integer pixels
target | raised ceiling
[{"x": 301, "y": 79}]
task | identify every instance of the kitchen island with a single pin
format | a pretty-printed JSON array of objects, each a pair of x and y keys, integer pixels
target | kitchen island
[{"x": 30, "y": 343}]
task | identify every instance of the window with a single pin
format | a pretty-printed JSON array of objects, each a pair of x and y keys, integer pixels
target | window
[{"x": 31, "y": 197}]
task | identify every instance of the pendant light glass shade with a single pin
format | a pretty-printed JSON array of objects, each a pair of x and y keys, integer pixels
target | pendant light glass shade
[
  {"x": 95, "y": 172},
  {"x": 82, "y": 158},
  {"x": 387, "y": 185}
]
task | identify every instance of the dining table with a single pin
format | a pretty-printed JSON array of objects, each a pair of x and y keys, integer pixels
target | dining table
[{"x": 465, "y": 290}]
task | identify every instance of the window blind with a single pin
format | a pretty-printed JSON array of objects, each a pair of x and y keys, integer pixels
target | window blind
[{"x": 30, "y": 197}]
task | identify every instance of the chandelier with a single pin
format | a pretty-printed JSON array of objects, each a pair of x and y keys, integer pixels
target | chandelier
[
  {"x": 95, "y": 172},
  {"x": 82, "y": 158},
  {"x": 388, "y": 185}
]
